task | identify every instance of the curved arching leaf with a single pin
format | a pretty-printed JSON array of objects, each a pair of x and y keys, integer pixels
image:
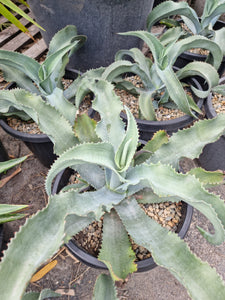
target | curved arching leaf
[
  {"x": 188, "y": 188},
  {"x": 154, "y": 44},
  {"x": 100, "y": 154},
  {"x": 20, "y": 62},
  {"x": 217, "y": 12},
  {"x": 169, "y": 251},
  {"x": 170, "y": 8},
  {"x": 127, "y": 148},
  {"x": 205, "y": 71},
  {"x": 215, "y": 57}
]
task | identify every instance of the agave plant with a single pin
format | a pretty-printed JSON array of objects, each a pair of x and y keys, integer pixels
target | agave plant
[
  {"x": 203, "y": 26},
  {"x": 105, "y": 158},
  {"x": 162, "y": 85},
  {"x": 9, "y": 16},
  {"x": 44, "y": 78},
  {"x": 11, "y": 212}
]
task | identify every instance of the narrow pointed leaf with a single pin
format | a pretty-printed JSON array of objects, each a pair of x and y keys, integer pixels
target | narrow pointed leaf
[
  {"x": 196, "y": 42},
  {"x": 178, "y": 96},
  {"x": 205, "y": 71},
  {"x": 127, "y": 148},
  {"x": 5, "y": 165},
  {"x": 146, "y": 106},
  {"x": 116, "y": 250},
  {"x": 15, "y": 8},
  {"x": 10, "y": 208}
]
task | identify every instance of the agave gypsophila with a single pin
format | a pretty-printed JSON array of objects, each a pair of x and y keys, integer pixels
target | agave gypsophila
[
  {"x": 213, "y": 9},
  {"x": 158, "y": 76},
  {"x": 108, "y": 164},
  {"x": 44, "y": 78}
]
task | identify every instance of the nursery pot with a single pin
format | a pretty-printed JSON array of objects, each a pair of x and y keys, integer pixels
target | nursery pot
[
  {"x": 3, "y": 153},
  {"x": 143, "y": 265},
  {"x": 148, "y": 128},
  {"x": 39, "y": 144},
  {"x": 213, "y": 155},
  {"x": 188, "y": 57},
  {"x": 99, "y": 20}
]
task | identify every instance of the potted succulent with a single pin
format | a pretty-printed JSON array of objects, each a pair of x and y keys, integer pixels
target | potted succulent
[
  {"x": 105, "y": 159},
  {"x": 44, "y": 79},
  {"x": 110, "y": 17},
  {"x": 207, "y": 25},
  {"x": 162, "y": 85},
  {"x": 213, "y": 155}
]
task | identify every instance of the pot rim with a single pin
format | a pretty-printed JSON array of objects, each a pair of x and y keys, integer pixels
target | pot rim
[
  {"x": 209, "y": 109},
  {"x": 180, "y": 121},
  {"x": 90, "y": 260},
  {"x": 32, "y": 137}
]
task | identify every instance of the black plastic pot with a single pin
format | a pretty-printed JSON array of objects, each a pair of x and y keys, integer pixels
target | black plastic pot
[
  {"x": 99, "y": 20},
  {"x": 3, "y": 153},
  {"x": 213, "y": 155},
  {"x": 39, "y": 144},
  {"x": 148, "y": 128},
  {"x": 188, "y": 57},
  {"x": 144, "y": 265}
]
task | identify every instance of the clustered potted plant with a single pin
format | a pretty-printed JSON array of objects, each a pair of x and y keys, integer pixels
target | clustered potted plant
[
  {"x": 114, "y": 171},
  {"x": 108, "y": 163},
  {"x": 207, "y": 25},
  {"x": 162, "y": 85},
  {"x": 44, "y": 79}
]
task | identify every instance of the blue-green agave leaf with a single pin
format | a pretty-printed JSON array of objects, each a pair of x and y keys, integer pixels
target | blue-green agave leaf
[
  {"x": 104, "y": 288},
  {"x": 116, "y": 251},
  {"x": 188, "y": 188},
  {"x": 168, "y": 250},
  {"x": 190, "y": 142}
]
